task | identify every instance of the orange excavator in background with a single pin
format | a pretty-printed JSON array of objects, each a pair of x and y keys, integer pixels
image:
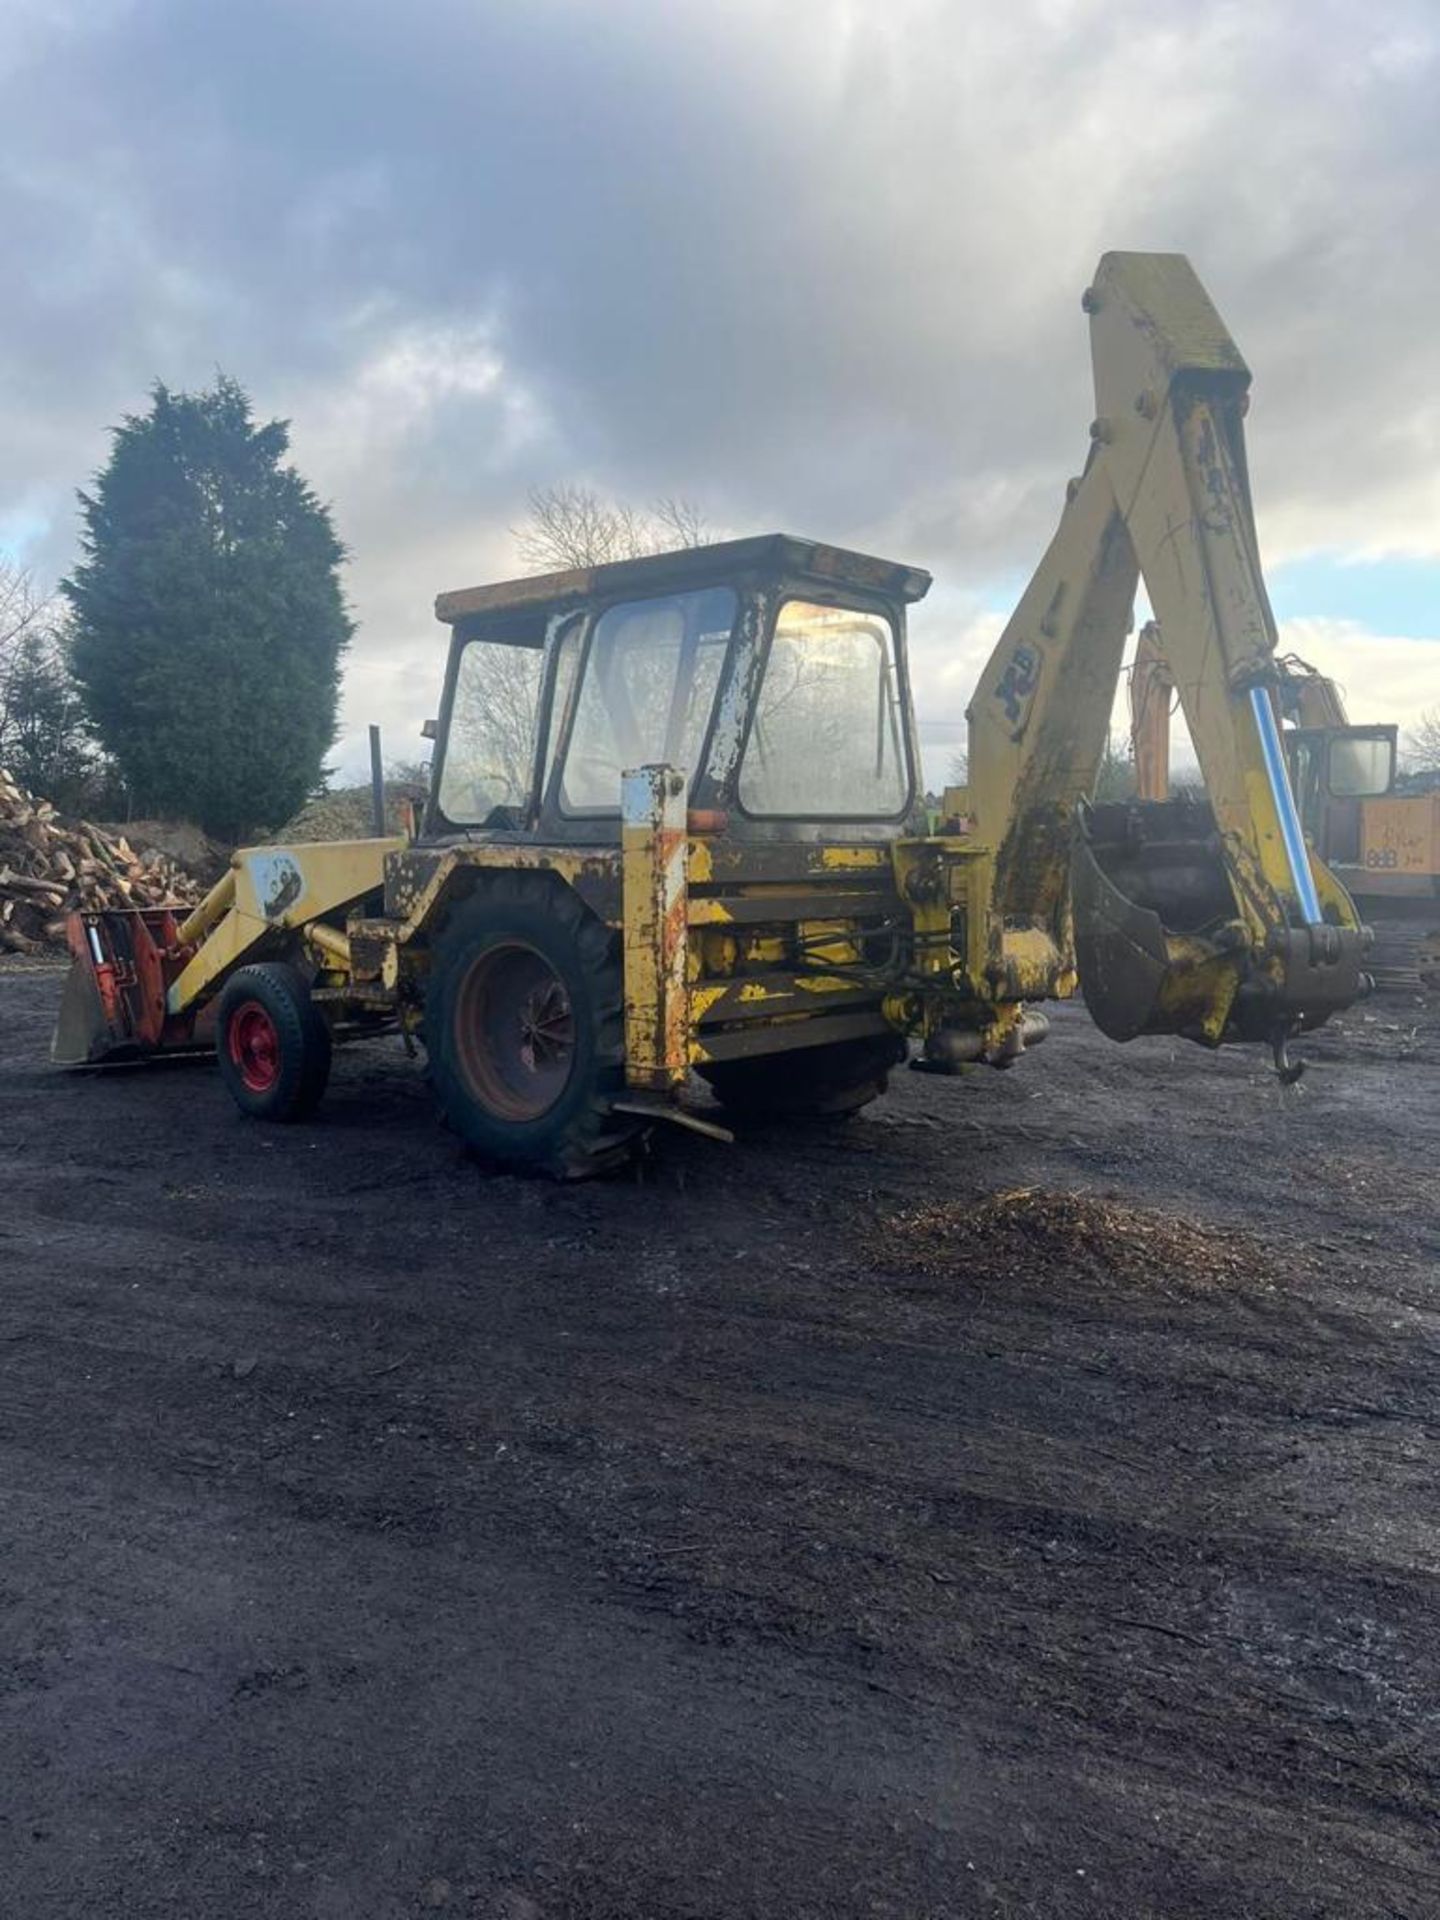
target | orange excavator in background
[{"x": 1384, "y": 845}]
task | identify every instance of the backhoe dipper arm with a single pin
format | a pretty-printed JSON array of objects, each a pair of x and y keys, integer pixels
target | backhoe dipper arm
[
  {"x": 1307, "y": 696},
  {"x": 1219, "y": 928}
]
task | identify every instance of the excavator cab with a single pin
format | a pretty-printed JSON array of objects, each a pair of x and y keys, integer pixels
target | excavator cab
[{"x": 1333, "y": 770}]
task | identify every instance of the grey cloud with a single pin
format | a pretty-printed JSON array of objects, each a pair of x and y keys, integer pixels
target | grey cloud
[{"x": 816, "y": 267}]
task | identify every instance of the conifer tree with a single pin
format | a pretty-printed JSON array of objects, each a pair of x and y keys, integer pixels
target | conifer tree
[{"x": 208, "y": 618}]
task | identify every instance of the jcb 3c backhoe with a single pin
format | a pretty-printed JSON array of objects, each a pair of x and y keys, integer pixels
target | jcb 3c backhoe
[{"x": 674, "y": 823}]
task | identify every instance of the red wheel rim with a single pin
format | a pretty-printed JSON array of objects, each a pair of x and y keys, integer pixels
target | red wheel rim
[
  {"x": 515, "y": 1032},
  {"x": 254, "y": 1046}
]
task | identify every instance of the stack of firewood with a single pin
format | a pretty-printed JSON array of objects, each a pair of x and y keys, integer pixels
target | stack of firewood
[{"x": 49, "y": 865}]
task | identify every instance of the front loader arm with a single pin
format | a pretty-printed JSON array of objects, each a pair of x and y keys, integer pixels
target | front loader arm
[{"x": 1217, "y": 923}]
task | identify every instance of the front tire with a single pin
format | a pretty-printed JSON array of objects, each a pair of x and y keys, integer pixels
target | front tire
[
  {"x": 524, "y": 1026},
  {"x": 272, "y": 1045}
]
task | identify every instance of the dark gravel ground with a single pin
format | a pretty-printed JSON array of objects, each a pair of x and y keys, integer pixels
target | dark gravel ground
[{"x": 842, "y": 1523}]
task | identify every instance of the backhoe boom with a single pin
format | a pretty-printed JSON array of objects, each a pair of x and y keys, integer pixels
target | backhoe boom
[{"x": 1213, "y": 923}]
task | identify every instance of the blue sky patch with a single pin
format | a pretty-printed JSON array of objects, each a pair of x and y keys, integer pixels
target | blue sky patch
[
  {"x": 1396, "y": 597},
  {"x": 19, "y": 531}
]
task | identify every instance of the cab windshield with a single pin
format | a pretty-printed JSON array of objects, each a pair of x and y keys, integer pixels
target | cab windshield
[
  {"x": 1362, "y": 765},
  {"x": 826, "y": 739},
  {"x": 650, "y": 675}
]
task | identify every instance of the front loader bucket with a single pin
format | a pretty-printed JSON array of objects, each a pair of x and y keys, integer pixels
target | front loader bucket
[
  {"x": 114, "y": 1002},
  {"x": 83, "y": 1033},
  {"x": 1157, "y": 940}
]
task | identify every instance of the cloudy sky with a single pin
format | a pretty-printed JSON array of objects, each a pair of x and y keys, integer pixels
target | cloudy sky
[{"x": 814, "y": 266}]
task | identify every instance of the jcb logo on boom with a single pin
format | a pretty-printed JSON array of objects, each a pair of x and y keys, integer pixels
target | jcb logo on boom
[{"x": 1016, "y": 687}]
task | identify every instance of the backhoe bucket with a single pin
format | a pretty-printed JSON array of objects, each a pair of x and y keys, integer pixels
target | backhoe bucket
[
  {"x": 1161, "y": 946},
  {"x": 1119, "y": 949},
  {"x": 1158, "y": 943}
]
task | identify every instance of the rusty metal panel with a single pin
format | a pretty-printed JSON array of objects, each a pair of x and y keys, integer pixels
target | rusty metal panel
[
  {"x": 1400, "y": 834},
  {"x": 653, "y": 853},
  {"x": 652, "y": 573},
  {"x": 371, "y": 945},
  {"x": 417, "y": 880}
]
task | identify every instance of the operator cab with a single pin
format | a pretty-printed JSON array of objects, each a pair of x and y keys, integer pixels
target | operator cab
[
  {"x": 771, "y": 671},
  {"x": 1332, "y": 770}
]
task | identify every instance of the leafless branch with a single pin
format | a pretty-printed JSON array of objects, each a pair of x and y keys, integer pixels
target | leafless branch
[
  {"x": 571, "y": 526},
  {"x": 678, "y": 522},
  {"x": 1422, "y": 743}
]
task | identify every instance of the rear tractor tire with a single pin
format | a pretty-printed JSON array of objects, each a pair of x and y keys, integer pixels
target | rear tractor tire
[
  {"x": 812, "y": 1083},
  {"x": 272, "y": 1044},
  {"x": 524, "y": 1027}
]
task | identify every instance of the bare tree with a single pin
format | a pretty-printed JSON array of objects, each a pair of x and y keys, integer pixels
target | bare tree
[
  {"x": 44, "y": 742},
  {"x": 1115, "y": 776},
  {"x": 569, "y": 526},
  {"x": 1422, "y": 743},
  {"x": 22, "y": 611},
  {"x": 408, "y": 773},
  {"x": 677, "y": 522}
]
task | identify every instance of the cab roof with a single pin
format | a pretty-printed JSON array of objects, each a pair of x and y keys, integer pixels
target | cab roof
[{"x": 725, "y": 560}]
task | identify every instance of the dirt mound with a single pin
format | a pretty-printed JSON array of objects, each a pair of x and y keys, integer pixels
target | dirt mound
[
  {"x": 181, "y": 841},
  {"x": 345, "y": 814},
  {"x": 1030, "y": 1233}
]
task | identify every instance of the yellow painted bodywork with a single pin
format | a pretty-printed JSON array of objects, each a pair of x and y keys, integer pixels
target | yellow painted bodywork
[
  {"x": 654, "y": 861},
  {"x": 266, "y": 893},
  {"x": 853, "y": 859}
]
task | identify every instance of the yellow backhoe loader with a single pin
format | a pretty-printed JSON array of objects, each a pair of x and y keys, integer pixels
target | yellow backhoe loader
[{"x": 674, "y": 824}]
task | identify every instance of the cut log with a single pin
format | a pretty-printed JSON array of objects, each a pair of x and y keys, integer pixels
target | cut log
[
  {"x": 50, "y": 866},
  {"x": 22, "y": 883}
]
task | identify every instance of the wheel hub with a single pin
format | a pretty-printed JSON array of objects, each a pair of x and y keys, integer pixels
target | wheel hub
[
  {"x": 515, "y": 1032},
  {"x": 255, "y": 1046}
]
